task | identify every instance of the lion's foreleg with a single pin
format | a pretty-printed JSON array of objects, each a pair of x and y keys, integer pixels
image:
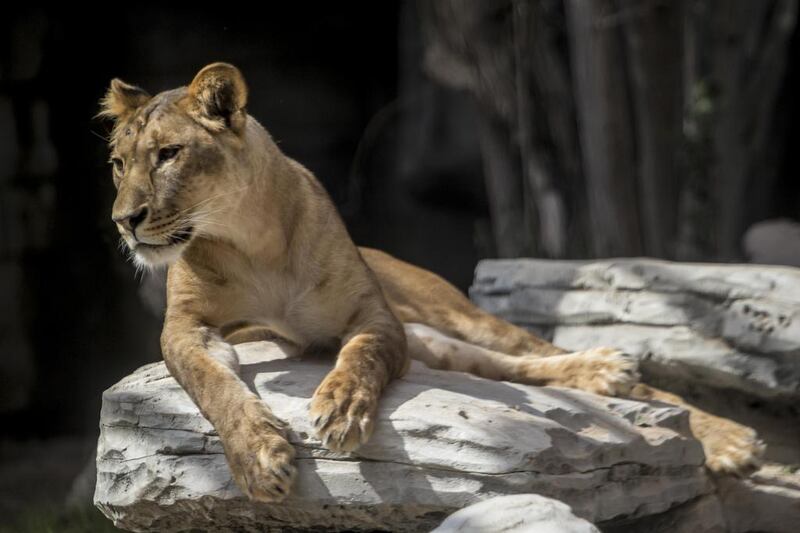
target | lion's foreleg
[
  {"x": 344, "y": 405},
  {"x": 255, "y": 446}
]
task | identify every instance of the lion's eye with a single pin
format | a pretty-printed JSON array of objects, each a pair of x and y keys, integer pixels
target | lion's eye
[
  {"x": 118, "y": 164},
  {"x": 167, "y": 153}
]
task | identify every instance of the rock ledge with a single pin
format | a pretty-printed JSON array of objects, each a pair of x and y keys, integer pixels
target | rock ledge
[{"x": 444, "y": 440}]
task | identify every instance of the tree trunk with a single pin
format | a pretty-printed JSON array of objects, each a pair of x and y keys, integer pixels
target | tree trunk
[
  {"x": 504, "y": 188},
  {"x": 642, "y": 127},
  {"x": 654, "y": 42},
  {"x": 542, "y": 198},
  {"x": 744, "y": 64},
  {"x": 604, "y": 119}
]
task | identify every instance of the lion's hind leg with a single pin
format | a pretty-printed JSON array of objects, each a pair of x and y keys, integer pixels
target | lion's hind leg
[
  {"x": 601, "y": 370},
  {"x": 730, "y": 447},
  {"x": 418, "y": 296}
]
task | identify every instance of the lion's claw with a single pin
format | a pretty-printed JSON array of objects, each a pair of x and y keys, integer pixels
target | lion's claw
[
  {"x": 342, "y": 411},
  {"x": 259, "y": 456}
]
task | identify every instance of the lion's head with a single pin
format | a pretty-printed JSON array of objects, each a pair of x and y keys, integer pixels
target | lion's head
[{"x": 174, "y": 158}]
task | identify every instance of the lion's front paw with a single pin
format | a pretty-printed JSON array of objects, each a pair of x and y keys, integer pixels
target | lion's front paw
[
  {"x": 605, "y": 371},
  {"x": 343, "y": 412},
  {"x": 732, "y": 449},
  {"x": 259, "y": 456}
]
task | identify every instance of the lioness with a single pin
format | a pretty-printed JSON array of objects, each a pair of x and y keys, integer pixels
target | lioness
[{"x": 257, "y": 251}]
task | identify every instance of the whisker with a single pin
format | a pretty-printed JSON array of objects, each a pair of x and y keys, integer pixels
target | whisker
[
  {"x": 212, "y": 198},
  {"x": 106, "y": 139},
  {"x": 205, "y": 219}
]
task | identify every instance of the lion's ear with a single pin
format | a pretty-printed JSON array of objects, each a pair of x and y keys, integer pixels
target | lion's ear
[
  {"x": 217, "y": 97},
  {"x": 122, "y": 100}
]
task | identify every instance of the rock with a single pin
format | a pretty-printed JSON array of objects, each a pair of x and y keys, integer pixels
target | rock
[
  {"x": 773, "y": 242},
  {"x": 518, "y": 513},
  {"x": 703, "y": 514},
  {"x": 769, "y": 500},
  {"x": 725, "y": 337},
  {"x": 727, "y": 326},
  {"x": 738, "y": 507},
  {"x": 443, "y": 441}
]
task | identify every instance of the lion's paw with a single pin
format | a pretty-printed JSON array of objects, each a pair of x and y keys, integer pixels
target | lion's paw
[
  {"x": 343, "y": 412},
  {"x": 259, "y": 456},
  {"x": 605, "y": 371},
  {"x": 734, "y": 450}
]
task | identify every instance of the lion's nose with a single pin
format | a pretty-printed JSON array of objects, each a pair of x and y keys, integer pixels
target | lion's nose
[{"x": 132, "y": 219}]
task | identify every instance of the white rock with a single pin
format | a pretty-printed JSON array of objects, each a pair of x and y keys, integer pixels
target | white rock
[
  {"x": 773, "y": 242},
  {"x": 699, "y": 328},
  {"x": 518, "y": 513},
  {"x": 443, "y": 441},
  {"x": 734, "y": 326}
]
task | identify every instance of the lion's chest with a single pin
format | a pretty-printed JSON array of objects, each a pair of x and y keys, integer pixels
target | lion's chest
[{"x": 288, "y": 306}]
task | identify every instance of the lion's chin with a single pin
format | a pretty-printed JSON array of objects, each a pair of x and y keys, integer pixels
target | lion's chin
[{"x": 151, "y": 256}]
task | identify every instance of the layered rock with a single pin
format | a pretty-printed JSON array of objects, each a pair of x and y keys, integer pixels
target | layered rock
[
  {"x": 725, "y": 337},
  {"x": 443, "y": 441},
  {"x": 731, "y": 326}
]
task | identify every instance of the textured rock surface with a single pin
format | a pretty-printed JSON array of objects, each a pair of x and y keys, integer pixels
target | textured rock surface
[
  {"x": 518, "y": 513},
  {"x": 769, "y": 500},
  {"x": 443, "y": 441},
  {"x": 734, "y": 326},
  {"x": 726, "y": 337},
  {"x": 704, "y": 514}
]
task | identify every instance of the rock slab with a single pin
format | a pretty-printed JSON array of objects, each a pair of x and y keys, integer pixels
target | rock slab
[
  {"x": 725, "y": 336},
  {"x": 443, "y": 441},
  {"x": 520, "y": 513},
  {"x": 727, "y": 326}
]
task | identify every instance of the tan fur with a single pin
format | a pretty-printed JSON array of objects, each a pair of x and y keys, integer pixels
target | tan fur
[
  {"x": 257, "y": 251},
  {"x": 730, "y": 448}
]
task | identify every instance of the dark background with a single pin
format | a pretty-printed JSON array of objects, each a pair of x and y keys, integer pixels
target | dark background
[{"x": 445, "y": 131}]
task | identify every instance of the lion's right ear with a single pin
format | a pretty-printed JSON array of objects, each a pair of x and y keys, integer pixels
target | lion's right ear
[
  {"x": 122, "y": 100},
  {"x": 218, "y": 96}
]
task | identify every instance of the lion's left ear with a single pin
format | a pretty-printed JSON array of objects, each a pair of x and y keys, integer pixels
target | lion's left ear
[
  {"x": 217, "y": 97},
  {"x": 122, "y": 100}
]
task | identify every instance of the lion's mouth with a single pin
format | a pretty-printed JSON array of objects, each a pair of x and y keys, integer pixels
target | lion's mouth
[
  {"x": 180, "y": 236},
  {"x": 166, "y": 250}
]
